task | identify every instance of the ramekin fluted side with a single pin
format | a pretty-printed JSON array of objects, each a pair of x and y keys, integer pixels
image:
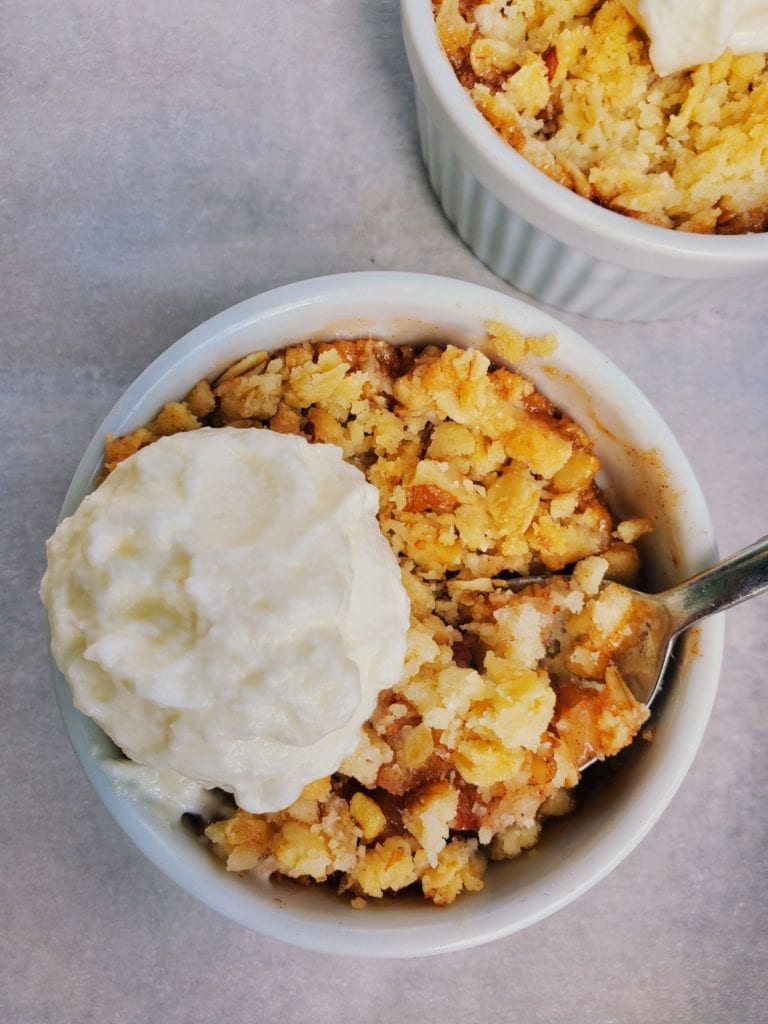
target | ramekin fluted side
[{"x": 542, "y": 266}]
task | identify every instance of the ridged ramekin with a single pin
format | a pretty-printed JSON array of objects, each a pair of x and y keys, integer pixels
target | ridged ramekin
[
  {"x": 646, "y": 473},
  {"x": 541, "y": 237}
]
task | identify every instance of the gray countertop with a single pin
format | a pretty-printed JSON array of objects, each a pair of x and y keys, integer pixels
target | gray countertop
[{"x": 159, "y": 163}]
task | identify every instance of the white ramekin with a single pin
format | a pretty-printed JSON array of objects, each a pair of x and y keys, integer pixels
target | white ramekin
[
  {"x": 544, "y": 239},
  {"x": 645, "y": 473}
]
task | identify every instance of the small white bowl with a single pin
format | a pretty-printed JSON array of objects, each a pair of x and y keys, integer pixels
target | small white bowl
[
  {"x": 645, "y": 472},
  {"x": 545, "y": 239}
]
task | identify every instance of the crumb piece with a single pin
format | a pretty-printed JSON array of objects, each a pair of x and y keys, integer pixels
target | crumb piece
[
  {"x": 630, "y": 530},
  {"x": 459, "y": 866},
  {"x": 512, "y": 841},
  {"x": 428, "y": 817},
  {"x": 506, "y": 342},
  {"x": 201, "y": 400},
  {"x": 588, "y": 574},
  {"x": 174, "y": 418},
  {"x": 368, "y": 816},
  {"x": 387, "y": 866}
]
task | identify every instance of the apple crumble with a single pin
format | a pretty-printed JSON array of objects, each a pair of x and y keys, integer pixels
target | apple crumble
[
  {"x": 505, "y": 693},
  {"x": 570, "y": 85}
]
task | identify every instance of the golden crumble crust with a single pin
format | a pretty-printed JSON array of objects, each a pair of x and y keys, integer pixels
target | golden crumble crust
[
  {"x": 503, "y": 695},
  {"x": 569, "y": 84}
]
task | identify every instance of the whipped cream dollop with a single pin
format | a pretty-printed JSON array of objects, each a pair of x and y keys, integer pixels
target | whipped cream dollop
[
  {"x": 225, "y": 606},
  {"x": 683, "y": 34}
]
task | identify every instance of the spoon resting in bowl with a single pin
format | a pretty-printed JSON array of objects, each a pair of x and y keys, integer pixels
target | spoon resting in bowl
[{"x": 659, "y": 618}]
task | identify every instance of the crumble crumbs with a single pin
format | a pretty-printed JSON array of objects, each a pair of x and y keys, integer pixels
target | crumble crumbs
[{"x": 504, "y": 694}]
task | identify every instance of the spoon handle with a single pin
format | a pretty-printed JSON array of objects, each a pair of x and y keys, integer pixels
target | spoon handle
[{"x": 735, "y": 579}]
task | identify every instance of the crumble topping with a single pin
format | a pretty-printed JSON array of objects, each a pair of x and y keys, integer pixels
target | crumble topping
[
  {"x": 505, "y": 694},
  {"x": 570, "y": 85}
]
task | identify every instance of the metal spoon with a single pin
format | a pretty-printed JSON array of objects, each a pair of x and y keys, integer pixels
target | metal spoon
[{"x": 663, "y": 616}]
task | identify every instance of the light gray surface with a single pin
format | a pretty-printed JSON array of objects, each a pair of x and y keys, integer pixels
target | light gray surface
[{"x": 160, "y": 162}]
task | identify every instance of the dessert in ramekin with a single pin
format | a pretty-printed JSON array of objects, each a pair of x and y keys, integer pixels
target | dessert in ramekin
[
  {"x": 505, "y": 691},
  {"x": 540, "y": 229},
  {"x": 644, "y": 473}
]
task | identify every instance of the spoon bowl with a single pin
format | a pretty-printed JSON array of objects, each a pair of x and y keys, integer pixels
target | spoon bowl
[
  {"x": 665, "y": 615},
  {"x": 657, "y": 619}
]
